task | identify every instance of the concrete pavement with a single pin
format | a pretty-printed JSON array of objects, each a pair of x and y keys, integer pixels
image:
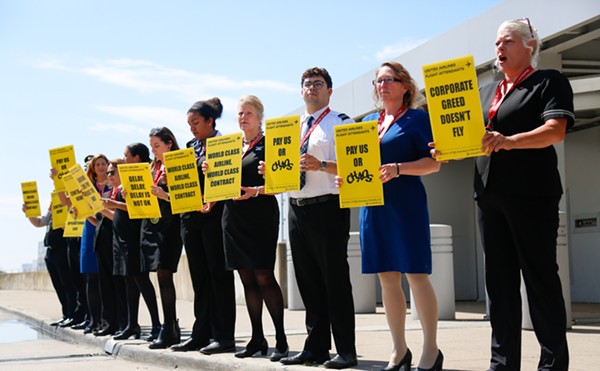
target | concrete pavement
[{"x": 464, "y": 341}]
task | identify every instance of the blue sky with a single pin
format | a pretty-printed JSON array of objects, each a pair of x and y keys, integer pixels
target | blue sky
[{"x": 100, "y": 74}]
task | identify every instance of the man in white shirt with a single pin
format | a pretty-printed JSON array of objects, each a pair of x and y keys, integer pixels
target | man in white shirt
[{"x": 319, "y": 232}]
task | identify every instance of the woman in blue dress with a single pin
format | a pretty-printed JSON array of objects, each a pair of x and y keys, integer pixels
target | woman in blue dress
[{"x": 395, "y": 237}]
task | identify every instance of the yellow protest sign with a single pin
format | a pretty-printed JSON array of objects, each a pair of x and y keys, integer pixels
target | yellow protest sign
[
  {"x": 454, "y": 108},
  {"x": 183, "y": 182},
  {"x": 223, "y": 179},
  {"x": 137, "y": 184},
  {"x": 282, "y": 154},
  {"x": 73, "y": 227},
  {"x": 91, "y": 196},
  {"x": 59, "y": 212},
  {"x": 31, "y": 199},
  {"x": 61, "y": 159},
  {"x": 358, "y": 162}
]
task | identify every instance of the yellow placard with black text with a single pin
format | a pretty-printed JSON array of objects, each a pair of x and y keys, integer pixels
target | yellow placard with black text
[
  {"x": 137, "y": 186},
  {"x": 454, "y": 108},
  {"x": 358, "y": 162},
  {"x": 282, "y": 154},
  {"x": 31, "y": 199},
  {"x": 223, "y": 178},
  {"x": 90, "y": 201},
  {"x": 59, "y": 212},
  {"x": 183, "y": 182},
  {"x": 73, "y": 227},
  {"x": 61, "y": 159}
]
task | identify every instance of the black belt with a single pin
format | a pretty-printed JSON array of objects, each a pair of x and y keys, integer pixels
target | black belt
[{"x": 312, "y": 200}]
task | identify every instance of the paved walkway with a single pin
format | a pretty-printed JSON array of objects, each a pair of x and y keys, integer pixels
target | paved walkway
[{"x": 464, "y": 341}]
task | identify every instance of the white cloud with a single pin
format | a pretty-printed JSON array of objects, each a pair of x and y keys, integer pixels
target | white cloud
[
  {"x": 144, "y": 114},
  {"x": 148, "y": 77},
  {"x": 392, "y": 51}
]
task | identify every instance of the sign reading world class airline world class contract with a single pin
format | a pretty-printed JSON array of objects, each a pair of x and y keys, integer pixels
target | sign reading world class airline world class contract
[
  {"x": 223, "y": 178},
  {"x": 183, "y": 182},
  {"x": 454, "y": 108}
]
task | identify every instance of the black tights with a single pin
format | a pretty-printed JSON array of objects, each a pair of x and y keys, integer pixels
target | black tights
[
  {"x": 92, "y": 288},
  {"x": 140, "y": 283},
  {"x": 259, "y": 285},
  {"x": 167, "y": 294}
]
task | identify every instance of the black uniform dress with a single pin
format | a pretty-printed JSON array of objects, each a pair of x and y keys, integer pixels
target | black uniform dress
[
  {"x": 126, "y": 242},
  {"x": 250, "y": 227},
  {"x": 214, "y": 293},
  {"x": 517, "y": 194},
  {"x": 161, "y": 239}
]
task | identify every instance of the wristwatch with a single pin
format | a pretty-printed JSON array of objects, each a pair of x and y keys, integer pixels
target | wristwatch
[{"x": 323, "y": 165}]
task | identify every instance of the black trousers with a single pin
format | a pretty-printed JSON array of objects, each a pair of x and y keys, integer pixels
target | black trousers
[
  {"x": 57, "y": 263},
  {"x": 319, "y": 235},
  {"x": 112, "y": 313},
  {"x": 519, "y": 235},
  {"x": 73, "y": 247},
  {"x": 214, "y": 292}
]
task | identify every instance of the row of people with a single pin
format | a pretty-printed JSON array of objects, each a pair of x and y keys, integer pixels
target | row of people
[{"x": 528, "y": 112}]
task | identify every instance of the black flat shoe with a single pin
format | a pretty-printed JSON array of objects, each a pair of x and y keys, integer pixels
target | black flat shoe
[
  {"x": 80, "y": 326},
  {"x": 276, "y": 356},
  {"x": 252, "y": 349},
  {"x": 57, "y": 322},
  {"x": 437, "y": 365},
  {"x": 92, "y": 327},
  {"x": 306, "y": 357},
  {"x": 341, "y": 361},
  {"x": 190, "y": 344},
  {"x": 135, "y": 331},
  {"x": 108, "y": 330},
  {"x": 404, "y": 363},
  {"x": 67, "y": 322},
  {"x": 219, "y": 347}
]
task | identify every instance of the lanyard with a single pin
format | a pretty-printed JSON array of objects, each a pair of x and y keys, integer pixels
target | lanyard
[
  {"x": 159, "y": 173},
  {"x": 501, "y": 94},
  {"x": 114, "y": 192},
  {"x": 384, "y": 128},
  {"x": 314, "y": 126},
  {"x": 253, "y": 143}
]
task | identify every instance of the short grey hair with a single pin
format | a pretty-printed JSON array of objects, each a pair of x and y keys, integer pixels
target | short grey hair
[{"x": 523, "y": 28}]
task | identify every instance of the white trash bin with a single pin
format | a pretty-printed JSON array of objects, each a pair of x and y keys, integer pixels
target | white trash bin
[{"x": 442, "y": 272}]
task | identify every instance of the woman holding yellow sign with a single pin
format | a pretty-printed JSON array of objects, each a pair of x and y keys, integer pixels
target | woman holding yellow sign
[
  {"x": 404, "y": 134},
  {"x": 161, "y": 239},
  {"x": 250, "y": 229}
]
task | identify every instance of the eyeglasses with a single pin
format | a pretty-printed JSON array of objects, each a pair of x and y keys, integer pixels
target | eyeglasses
[
  {"x": 528, "y": 24},
  {"x": 111, "y": 173},
  {"x": 386, "y": 80},
  {"x": 313, "y": 84}
]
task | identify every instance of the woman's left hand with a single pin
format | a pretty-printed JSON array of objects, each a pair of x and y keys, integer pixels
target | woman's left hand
[
  {"x": 389, "y": 172},
  {"x": 248, "y": 192},
  {"x": 160, "y": 193}
]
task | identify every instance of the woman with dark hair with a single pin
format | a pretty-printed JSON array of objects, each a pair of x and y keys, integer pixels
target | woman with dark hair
[
  {"x": 127, "y": 254},
  {"x": 161, "y": 239},
  {"x": 214, "y": 293}
]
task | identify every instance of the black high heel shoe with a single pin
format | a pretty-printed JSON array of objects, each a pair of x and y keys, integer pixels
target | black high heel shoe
[
  {"x": 135, "y": 331},
  {"x": 437, "y": 365},
  {"x": 404, "y": 363},
  {"x": 252, "y": 349}
]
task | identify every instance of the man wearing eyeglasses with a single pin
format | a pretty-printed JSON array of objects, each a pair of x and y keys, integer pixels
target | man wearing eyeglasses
[{"x": 319, "y": 232}]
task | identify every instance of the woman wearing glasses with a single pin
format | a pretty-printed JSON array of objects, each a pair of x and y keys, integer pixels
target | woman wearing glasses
[
  {"x": 516, "y": 183},
  {"x": 404, "y": 134},
  {"x": 131, "y": 281},
  {"x": 161, "y": 239}
]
